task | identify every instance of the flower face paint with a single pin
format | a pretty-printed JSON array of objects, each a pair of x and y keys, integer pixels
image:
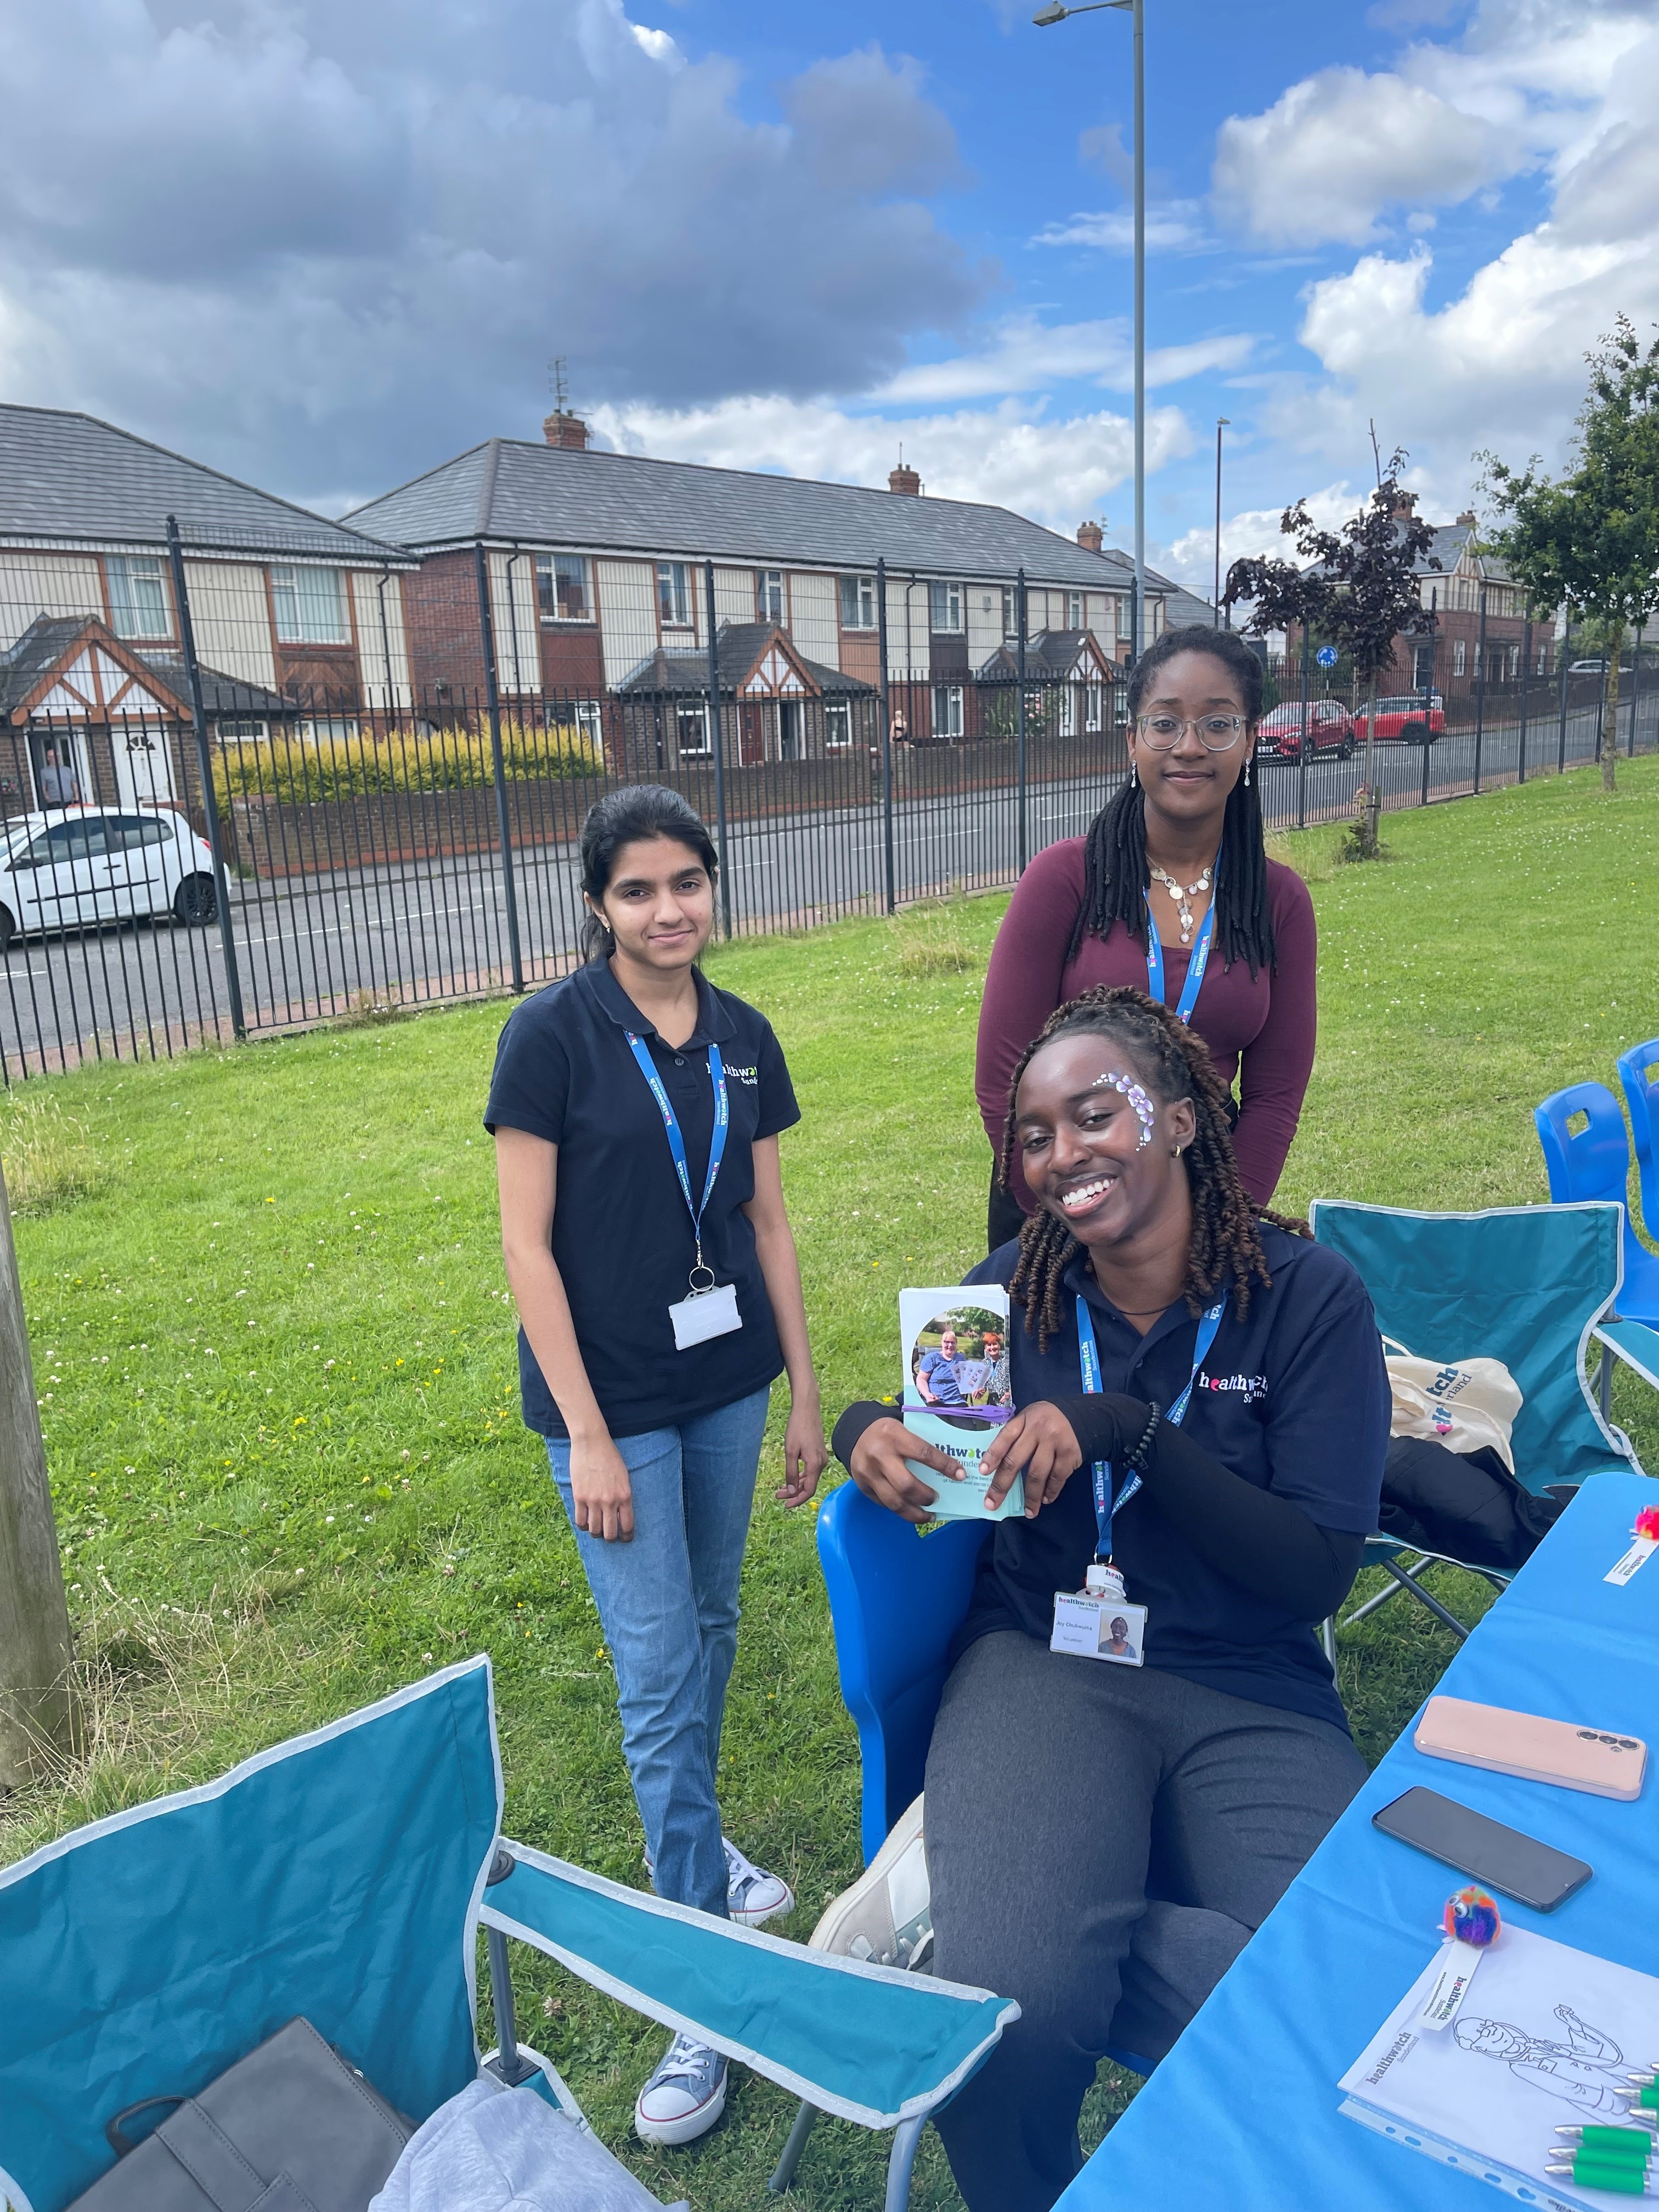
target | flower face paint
[{"x": 1127, "y": 1087}]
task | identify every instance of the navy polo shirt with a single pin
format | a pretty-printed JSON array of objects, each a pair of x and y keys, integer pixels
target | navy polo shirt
[
  {"x": 1293, "y": 1396},
  {"x": 622, "y": 1231}
]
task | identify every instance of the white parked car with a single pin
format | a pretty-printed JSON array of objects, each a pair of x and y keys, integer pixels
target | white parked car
[{"x": 76, "y": 866}]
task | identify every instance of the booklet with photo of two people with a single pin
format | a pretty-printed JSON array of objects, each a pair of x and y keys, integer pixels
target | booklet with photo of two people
[{"x": 956, "y": 1390}]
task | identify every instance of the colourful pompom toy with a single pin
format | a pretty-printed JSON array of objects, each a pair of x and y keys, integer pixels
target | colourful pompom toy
[
  {"x": 1471, "y": 1916},
  {"x": 1647, "y": 1522}
]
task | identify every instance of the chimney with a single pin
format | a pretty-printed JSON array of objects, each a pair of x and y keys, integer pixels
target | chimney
[
  {"x": 562, "y": 428},
  {"x": 1403, "y": 505},
  {"x": 1466, "y": 521},
  {"x": 904, "y": 479},
  {"x": 1090, "y": 536}
]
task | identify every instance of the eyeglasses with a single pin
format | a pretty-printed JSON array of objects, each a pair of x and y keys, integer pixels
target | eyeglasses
[{"x": 1217, "y": 734}]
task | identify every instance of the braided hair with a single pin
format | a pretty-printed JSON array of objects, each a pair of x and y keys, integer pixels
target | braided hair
[
  {"x": 1225, "y": 1249},
  {"x": 1114, "y": 875}
]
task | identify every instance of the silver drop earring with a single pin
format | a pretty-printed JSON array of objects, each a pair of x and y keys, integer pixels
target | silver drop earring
[
  {"x": 1247, "y": 768},
  {"x": 1134, "y": 777}
]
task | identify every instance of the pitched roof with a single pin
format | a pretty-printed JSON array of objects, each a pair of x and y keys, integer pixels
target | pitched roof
[
  {"x": 1050, "y": 652},
  {"x": 53, "y": 644},
  {"x": 68, "y": 477},
  {"x": 737, "y": 647},
  {"x": 511, "y": 488}
]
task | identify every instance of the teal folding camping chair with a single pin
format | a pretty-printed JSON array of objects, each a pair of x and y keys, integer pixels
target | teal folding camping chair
[
  {"x": 342, "y": 1876},
  {"x": 1526, "y": 1285}
]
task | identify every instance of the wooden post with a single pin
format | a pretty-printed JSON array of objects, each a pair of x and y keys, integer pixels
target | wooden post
[{"x": 35, "y": 1646}]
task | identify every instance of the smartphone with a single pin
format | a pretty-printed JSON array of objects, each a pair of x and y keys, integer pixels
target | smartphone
[
  {"x": 1506, "y": 1860},
  {"x": 1598, "y": 1760}
]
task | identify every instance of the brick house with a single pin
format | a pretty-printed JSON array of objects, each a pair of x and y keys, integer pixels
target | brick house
[
  {"x": 298, "y": 621},
  {"x": 596, "y": 568}
]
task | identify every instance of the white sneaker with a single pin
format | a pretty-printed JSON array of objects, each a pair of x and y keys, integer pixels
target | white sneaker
[
  {"x": 752, "y": 1896},
  {"x": 684, "y": 2097},
  {"x": 886, "y": 1916}
]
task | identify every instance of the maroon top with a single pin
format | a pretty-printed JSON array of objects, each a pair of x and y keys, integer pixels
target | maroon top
[{"x": 1261, "y": 1031}]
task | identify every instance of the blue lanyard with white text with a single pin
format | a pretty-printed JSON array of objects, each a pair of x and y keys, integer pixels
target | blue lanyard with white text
[
  {"x": 1200, "y": 959},
  {"x": 1089, "y": 1360},
  {"x": 677, "y": 1142}
]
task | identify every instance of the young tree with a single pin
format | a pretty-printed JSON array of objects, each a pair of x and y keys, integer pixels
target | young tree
[
  {"x": 1589, "y": 540},
  {"x": 1356, "y": 586}
]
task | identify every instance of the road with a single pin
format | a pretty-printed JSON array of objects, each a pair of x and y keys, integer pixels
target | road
[{"x": 415, "y": 933}]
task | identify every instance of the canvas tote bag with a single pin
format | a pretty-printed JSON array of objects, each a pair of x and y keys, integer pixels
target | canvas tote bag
[{"x": 1468, "y": 1405}]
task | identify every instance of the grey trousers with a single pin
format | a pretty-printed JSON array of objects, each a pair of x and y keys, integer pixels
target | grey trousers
[{"x": 1102, "y": 1842}]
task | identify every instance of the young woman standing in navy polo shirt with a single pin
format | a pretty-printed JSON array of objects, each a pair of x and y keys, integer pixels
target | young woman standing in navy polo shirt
[
  {"x": 1204, "y": 1407},
  {"x": 635, "y": 1111}
]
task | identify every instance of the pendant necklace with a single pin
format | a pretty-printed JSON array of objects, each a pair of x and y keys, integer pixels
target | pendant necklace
[{"x": 1182, "y": 894}]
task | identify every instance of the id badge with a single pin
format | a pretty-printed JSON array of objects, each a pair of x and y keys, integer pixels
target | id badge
[
  {"x": 705, "y": 1313},
  {"x": 1088, "y": 1626}
]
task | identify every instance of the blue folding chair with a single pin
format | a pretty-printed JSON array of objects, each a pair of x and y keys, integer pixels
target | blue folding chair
[
  {"x": 1594, "y": 1162},
  {"x": 1525, "y": 1284},
  {"x": 343, "y": 1876},
  {"x": 896, "y": 1598}
]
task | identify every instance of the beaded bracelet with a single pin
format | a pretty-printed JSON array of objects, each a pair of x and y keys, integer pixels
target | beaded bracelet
[{"x": 1137, "y": 1458}]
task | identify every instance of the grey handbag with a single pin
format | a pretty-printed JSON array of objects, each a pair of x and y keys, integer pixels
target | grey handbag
[{"x": 290, "y": 2128}]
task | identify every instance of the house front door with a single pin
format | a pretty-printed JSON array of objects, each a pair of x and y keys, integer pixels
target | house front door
[
  {"x": 143, "y": 764},
  {"x": 751, "y": 736},
  {"x": 791, "y": 717},
  {"x": 58, "y": 763}
]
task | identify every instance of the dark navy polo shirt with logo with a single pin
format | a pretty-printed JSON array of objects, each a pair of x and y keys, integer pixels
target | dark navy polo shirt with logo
[
  {"x": 622, "y": 1231},
  {"x": 1293, "y": 1396}
]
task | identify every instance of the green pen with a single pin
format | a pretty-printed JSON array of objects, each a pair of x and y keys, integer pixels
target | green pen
[
  {"x": 1620, "y": 2142},
  {"x": 1622, "y": 2177}
]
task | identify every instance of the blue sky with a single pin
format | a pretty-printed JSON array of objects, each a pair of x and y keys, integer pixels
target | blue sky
[{"x": 277, "y": 236}]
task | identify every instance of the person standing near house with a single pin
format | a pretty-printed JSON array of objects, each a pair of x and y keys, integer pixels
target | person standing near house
[
  {"x": 637, "y": 1110},
  {"x": 1172, "y": 891}
]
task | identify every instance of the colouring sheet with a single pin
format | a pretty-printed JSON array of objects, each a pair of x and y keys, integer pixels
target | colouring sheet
[{"x": 1546, "y": 2038}]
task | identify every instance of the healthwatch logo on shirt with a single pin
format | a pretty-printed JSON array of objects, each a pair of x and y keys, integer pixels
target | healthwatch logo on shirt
[
  {"x": 748, "y": 1075},
  {"x": 1252, "y": 1389}
]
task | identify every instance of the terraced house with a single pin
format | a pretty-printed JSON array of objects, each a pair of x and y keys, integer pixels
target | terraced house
[
  {"x": 598, "y": 567},
  {"x": 298, "y": 621}
]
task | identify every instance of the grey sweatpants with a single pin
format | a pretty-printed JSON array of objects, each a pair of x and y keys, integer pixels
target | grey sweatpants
[{"x": 1102, "y": 1842}]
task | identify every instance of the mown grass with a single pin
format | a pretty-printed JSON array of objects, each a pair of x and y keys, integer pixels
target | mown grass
[{"x": 278, "y": 1382}]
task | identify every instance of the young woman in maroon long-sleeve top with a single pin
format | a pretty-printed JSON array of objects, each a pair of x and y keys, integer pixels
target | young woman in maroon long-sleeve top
[{"x": 1080, "y": 914}]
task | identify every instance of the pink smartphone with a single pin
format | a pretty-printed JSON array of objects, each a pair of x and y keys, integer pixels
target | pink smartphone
[{"x": 1559, "y": 1752}]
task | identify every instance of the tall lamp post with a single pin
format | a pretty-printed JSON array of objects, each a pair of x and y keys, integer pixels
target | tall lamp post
[
  {"x": 1221, "y": 424},
  {"x": 1044, "y": 18}
]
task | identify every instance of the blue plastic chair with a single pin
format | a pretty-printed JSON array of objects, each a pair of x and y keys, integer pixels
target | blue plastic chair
[
  {"x": 1638, "y": 1072},
  {"x": 1527, "y": 1284},
  {"x": 1593, "y": 1163}
]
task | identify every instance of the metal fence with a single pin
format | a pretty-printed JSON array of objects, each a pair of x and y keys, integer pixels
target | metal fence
[{"x": 240, "y": 796}]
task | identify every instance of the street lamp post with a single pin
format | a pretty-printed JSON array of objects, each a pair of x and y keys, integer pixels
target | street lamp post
[
  {"x": 1220, "y": 425},
  {"x": 1045, "y": 19}
]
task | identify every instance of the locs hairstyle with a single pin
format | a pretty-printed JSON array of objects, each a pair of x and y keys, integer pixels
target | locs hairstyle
[
  {"x": 1226, "y": 1245},
  {"x": 637, "y": 811},
  {"x": 1114, "y": 851}
]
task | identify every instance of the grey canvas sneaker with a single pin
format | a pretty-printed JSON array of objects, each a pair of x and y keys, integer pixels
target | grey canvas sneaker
[
  {"x": 684, "y": 2097},
  {"x": 752, "y": 1896},
  {"x": 886, "y": 1916}
]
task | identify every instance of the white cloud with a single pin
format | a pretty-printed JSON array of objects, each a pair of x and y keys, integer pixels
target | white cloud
[
  {"x": 1058, "y": 472},
  {"x": 1172, "y": 227},
  {"x": 1025, "y": 354},
  {"x": 1249, "y": 534}
]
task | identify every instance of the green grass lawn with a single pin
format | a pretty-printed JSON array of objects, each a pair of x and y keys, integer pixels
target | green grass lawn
[{"x": 271, "y": 1336}]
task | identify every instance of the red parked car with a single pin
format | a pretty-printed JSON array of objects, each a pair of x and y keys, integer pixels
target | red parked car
[
  {"x": 1405, "y": 720},
  {"x": 1330, "y": 729}
]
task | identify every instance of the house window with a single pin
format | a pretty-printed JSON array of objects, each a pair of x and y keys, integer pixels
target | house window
[
  {"x": 944, "y": 607},
  {"x": 241, "y": 730},
  {"x": 1460, "y": 654},
  {"x": 858, "y": 602},
  {"x": 327, "y": 729},
  {"x": 564, "y": 587},
  {"x": 309, "y": 606},
  {"x": 1010, "y": 614},
  {"x": 1074, "y": 611},
  {"x": 673, "y": 604},
  {"x": 1543, "y": 660},
  {"x": 947, "y": 708},
  {"x": 1094, "y": 706},
  {"x": 838, "y": 726},
  {"x": 692, "y": 724},
  {"x": 137, "y": 597},
  {"x": 577, "y": 717},
  {"x": 1422, "y": 667},
  {"x": 769, "y": 594}
]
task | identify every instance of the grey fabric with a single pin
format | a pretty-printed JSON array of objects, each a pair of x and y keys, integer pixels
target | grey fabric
[
  {"x": 1063, "y": 1796},
  {"x": 291, "y": 2113}
]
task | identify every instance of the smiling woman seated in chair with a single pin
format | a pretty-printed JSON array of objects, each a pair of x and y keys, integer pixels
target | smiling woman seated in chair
[{"x": 1203, "y": 1416}]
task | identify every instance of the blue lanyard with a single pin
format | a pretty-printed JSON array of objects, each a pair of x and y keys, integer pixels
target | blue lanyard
[
  {"x": 677, "y": 1142},
  {"x": 1089, "y": 1360},
  {"x": 1200, "y": 959}
]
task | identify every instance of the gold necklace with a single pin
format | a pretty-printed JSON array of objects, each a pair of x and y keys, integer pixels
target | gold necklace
[{"x": 1182, "y": 894}]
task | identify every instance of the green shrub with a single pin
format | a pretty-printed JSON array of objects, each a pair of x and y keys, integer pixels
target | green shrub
[{"x": 297, "y": 771}]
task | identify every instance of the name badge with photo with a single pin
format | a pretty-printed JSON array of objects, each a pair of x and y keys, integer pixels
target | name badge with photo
[
  {"x": 705, "y": 1313},
  {"x": 1091, "y": 1627}
]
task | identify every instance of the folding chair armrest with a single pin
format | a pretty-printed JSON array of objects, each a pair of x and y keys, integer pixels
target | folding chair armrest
[{"x": 1634, "y": 1343}]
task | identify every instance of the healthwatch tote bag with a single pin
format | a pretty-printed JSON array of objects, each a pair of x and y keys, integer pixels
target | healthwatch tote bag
[{"x": 1468, "y": 1406}]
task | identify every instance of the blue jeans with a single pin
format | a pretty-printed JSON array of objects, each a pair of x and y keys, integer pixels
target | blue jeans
[{"x": 668, "y": 1605}]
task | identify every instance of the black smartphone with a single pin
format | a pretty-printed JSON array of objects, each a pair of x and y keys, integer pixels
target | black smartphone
[{"x": 1506, "y": 1860}]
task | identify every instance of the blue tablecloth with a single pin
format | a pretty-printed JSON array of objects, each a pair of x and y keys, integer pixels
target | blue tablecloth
[{"x": 1243, "y": 2112}]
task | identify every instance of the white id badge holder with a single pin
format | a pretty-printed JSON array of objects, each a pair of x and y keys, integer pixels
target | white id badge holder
[
  {"x": 1099, "y": 1622},
  {"x": 711, "y": 1311}
]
